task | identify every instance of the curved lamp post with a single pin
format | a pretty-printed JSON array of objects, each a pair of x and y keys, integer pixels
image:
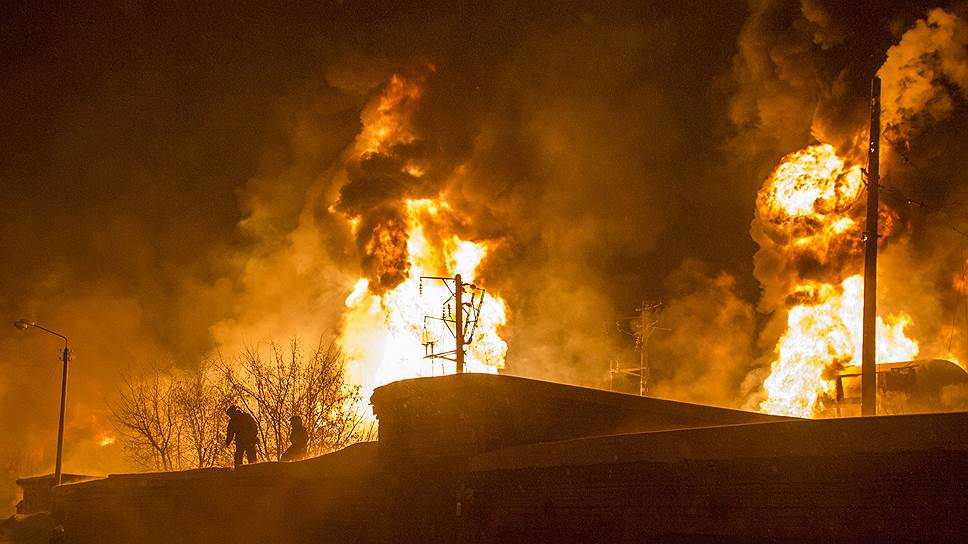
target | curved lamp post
[{"x": 66, "y": 356}]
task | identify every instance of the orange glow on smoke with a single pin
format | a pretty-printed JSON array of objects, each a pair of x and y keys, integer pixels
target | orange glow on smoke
[
  {"x": 808, "y": 199},
  {"x": 383, "y": 332},
  {"x": 959, "y": 281},
  {"x": 387, "y": 123}
]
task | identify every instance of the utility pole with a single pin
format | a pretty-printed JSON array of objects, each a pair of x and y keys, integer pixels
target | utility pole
[
  {"x": 869, "y": 350},
  {"x": 648, "y": 321},
  {"x": 643, "y": 352},
  {"x": 460, "y": 321},
  {"x": 58, "y": 473}
]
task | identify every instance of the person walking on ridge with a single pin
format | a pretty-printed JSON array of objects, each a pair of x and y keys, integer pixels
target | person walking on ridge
[{"x": 243, "y": 429}]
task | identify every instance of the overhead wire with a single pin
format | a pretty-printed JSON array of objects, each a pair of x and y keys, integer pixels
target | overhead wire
[
  {"x": 902, "y": 152},
  {"x": 941, "y": 210}
]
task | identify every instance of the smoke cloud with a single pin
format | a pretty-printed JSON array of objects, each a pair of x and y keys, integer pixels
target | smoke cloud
[
  {"x": 922, "y": 99},
  {"x": 707, "y": 350},
  {"x": 927, "y": 74},
  {"x": 182, "y": 180}
]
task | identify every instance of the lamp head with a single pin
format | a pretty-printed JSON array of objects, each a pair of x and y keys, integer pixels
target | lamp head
[{"x": 23, "y": 324}]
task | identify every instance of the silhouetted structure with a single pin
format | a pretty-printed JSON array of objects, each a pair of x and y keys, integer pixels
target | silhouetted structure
[
  {"x": 904, "y": 387},
  {"x": 478, "y": 458},
  {"x": 38, "y": 492},
  {"x": 868, "y": 401}
]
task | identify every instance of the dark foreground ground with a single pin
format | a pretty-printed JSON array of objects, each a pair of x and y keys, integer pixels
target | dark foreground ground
[{"x": 477, "y": 458}]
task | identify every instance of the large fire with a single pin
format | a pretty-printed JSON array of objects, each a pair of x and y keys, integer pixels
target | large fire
[
  {"x": 808, "y": 212},
  {"x": 385, "y": 334},
  {"x": 808, "y": 205}
]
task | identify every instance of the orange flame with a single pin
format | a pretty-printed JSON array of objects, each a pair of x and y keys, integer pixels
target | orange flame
[
  {"x": 807, "y": 205},
  {"x": 386, "y": 123},
  {"x": 807, "y": 202},
  {"x": 823, "y": 336},
  {"x": 383, "y": 332}
]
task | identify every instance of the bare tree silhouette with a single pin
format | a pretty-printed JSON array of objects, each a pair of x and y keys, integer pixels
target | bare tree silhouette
[
  {"x": 146, "y": 417},
  {"x": 288, "y": 382},
  {"x": 175, "y": 420}
]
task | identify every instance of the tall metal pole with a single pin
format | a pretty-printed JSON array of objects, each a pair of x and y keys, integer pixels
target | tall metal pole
[
  {"x": 66, "y": 356},
  {"x": 459, "y": 322},
  {"x": 869, "y": 350},
  {"x": 643, "y": 352},
  {"x": 23, "y": 324}
]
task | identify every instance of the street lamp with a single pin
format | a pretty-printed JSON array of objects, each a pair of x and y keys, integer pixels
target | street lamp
[{"x": 23, "y": 324}]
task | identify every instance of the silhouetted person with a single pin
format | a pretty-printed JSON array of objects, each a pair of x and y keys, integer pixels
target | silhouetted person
[
  {"x": 241, "y": 427},
  {"x": 299, "y": 439}
]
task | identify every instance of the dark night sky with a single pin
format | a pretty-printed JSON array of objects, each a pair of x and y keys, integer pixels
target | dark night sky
[
  {"x": 129, "y": 132},
  {"x": 132, "y": 133},
  {"x": 149, "y": 155}
]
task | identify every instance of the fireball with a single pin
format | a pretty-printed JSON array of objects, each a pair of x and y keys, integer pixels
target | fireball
[{"x": 807, "y": 208}]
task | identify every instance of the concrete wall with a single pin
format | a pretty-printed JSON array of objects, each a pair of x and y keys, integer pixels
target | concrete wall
[
  {"x": 909, "y": 497},
  {"x": 38, "y": 491}
]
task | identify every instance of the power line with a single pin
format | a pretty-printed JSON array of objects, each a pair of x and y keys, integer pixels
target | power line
[{"x": 902, "y": 151}]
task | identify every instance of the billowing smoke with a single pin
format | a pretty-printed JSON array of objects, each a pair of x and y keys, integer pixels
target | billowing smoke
[
  {"x": 819, "y": 237},
  {"x": 925, "y": 116},
  {"x": 390, "y": 166},
  {"x": 926, "y": 75},
  {"x": 707, "y": 348},
  {"x": 538, "y": 152},
  {"x": 178, "y": 185}
]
